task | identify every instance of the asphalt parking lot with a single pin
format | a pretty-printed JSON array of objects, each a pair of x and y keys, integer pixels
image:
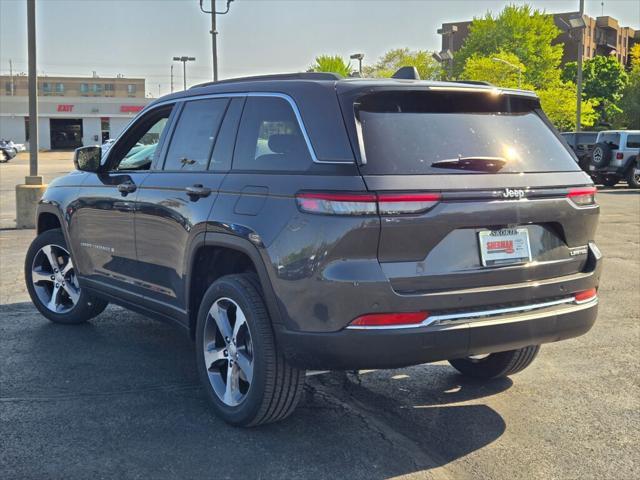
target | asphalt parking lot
[{"x": 119, "y": 397}]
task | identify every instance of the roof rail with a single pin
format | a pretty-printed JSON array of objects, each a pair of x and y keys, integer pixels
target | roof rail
[{"x": 277, "y": 76}]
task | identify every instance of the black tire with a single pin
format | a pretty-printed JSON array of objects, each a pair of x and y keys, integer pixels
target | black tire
[
  {"x": 601, "y": 155},
  {"x": 497, "y": 365},
  {"x": 633, "y": 174},
  {"x": 610, "y": 180},
  {"x": 87, "y": 305},
  {"x": 275, "y": 386}
]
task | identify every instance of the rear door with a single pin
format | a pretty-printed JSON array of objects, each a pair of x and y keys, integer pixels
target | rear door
[
  {"x": 472, "y": 189},
  {"x": 176, "y": 198}
]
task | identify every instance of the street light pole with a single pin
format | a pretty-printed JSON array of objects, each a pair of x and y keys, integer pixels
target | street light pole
[
  {"x": 359, "y": 57},
  {"x": 579, "y": 75},
  {"x": 33, "y": 88},
  {"x": 214, "y": 33},
  {"x": 184, "y": 60},
  {"x": 172, "y": 78}
]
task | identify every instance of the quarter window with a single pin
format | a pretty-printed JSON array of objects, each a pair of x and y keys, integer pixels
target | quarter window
[
  {"x": 633, "y": 141},
  {"x": 269, "y": 138},
  {"x": 195, "y": 134}
]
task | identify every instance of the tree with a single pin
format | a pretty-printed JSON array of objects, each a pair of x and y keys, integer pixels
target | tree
[
  {"x": 498, "y": 73},
  {"x": 602, "y": 77},
  {"x": 522, "y": 31},
  {"x": 331, "y": 64},
  {"x": 391, "y": 61},
  {"x": 630, "y": 101},
  {"x": 558, "y": 102}
]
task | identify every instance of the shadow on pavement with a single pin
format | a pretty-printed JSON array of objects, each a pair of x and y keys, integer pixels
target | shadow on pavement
[{"x": 119, "y": 397}]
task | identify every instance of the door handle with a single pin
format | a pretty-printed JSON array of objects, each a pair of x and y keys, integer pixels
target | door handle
[
  {"x": 198, "y": 191},
  {"x": 126, "y": 188}
]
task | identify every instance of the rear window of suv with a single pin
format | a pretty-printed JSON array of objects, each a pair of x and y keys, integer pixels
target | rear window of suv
[
  {"x": 413, "y": 133},
  {"x": 611, "y": 139}
]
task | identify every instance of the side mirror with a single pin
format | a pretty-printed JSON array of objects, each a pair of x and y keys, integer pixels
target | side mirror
[{"x": 87, "y": 159}]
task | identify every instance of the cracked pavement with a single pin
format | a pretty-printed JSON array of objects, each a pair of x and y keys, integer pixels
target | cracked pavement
[{"x": 119, "y": 398}]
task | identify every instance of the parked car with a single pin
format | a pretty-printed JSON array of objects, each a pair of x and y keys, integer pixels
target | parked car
[
  {"x": 304, "y": 221},
  {"x": 582, "y": 144},
  {"x": 615, "y": 157},
  {"x": 7, "y": 150}
]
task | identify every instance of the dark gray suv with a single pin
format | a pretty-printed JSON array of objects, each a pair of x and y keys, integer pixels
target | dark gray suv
[{"x": 306, "y": 221}]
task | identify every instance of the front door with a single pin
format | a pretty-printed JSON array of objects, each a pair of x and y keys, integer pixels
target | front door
[
  {"x": 102, "y": 226},
  {"x": 176, "y": 198}
]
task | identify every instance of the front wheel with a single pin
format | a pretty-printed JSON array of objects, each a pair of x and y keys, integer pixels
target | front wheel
[
  {"x": 245, "y": 376},
  {"x": 495, "y": 365},
  {"x": 52, "y": 283}
]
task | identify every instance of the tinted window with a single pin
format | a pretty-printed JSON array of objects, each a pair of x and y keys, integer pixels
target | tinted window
[
  {"x": 633, "y": 141},
  {"x": 223, "y": 149},
  {"x": 195, "y": 133},
  {"x": 270, "y": 138},
  {"x": 138, "y": 147},
  {"x": 441, "y": 133},
  {"x": 611, "y": 139}
]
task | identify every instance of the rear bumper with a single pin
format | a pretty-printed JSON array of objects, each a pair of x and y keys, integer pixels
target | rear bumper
[{"x": 398, "y": 347}]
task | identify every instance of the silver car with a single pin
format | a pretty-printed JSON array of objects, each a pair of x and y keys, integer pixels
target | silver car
[{"x": 615, "y": 157}]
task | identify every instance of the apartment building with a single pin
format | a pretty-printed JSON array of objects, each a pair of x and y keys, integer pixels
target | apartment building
[
  {"x": 601, "y": 36},
  {"x": 17, "y": 85}
]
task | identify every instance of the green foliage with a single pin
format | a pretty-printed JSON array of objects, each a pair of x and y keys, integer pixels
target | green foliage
[
  {"x": 558, "y": 102},
  {"x": 603, "y": 78},
  {"x": 391, "y": 61},
  {"x": 331, "y": 64},
  {"x": 521, "y": 31},
  {"x": 630, "y": 101},
  {"x": 498, "y": 73}
]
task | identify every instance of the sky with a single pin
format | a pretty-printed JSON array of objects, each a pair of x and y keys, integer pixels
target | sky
[{"x": 138, "y": 38}]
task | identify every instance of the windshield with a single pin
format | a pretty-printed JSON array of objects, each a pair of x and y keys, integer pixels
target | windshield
[{"x": 409, "y": 133}]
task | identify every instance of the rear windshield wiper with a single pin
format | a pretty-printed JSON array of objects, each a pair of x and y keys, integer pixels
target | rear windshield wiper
[{"x": 484, "y": 164}]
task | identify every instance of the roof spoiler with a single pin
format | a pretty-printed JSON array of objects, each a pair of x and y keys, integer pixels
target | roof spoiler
[{"x": 407, "y": 73}]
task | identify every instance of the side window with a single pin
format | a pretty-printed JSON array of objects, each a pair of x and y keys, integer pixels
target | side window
[
  {"x": 269, "y": 138},
  {"x": 633, "y": 141},
  {"x": 137, "y": 149},
  {"x": 223, "y": 149},
  {"x": 195, "y": 134}
]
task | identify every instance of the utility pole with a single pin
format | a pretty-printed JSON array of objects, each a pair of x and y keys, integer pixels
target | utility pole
[
  {"x": 158, "y": 90},
  {"x": 172, "y": 78},
  {"x": 33, "y": 88},
  {"x": 579, "y": 79},
  {"x": 184, "y": 60},
  {"x": 214, "y": 33},
  {"x": 13, "y": 88}
]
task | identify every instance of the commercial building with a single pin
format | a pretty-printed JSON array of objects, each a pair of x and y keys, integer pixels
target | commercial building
[
  {"x": 73, "y": 111},
  {"x": 601, "y": 36}
]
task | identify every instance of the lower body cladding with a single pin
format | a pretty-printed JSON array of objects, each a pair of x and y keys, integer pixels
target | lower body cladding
[{"x": 460, "y": 323}]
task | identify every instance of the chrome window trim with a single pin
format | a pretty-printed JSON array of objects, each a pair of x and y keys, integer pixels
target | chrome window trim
[
  {"x": 284, "y": 96},
  {"x": 462, "y": 318}
]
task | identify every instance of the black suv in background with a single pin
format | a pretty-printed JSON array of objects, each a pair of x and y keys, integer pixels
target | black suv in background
[{"x": 305, "y": 221}]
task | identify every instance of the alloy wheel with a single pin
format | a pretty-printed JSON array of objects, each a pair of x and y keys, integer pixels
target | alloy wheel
[
  {"x": 54, "y": 279},
  {"x": 228, "y": 351}
]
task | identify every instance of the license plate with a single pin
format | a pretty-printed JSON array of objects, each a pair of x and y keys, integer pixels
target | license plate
[{"x": 504, "y": 247}]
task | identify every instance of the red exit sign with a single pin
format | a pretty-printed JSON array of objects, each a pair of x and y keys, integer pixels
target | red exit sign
[
  {"x": 65, "y": 107},
  {"x": 130, "y": 108}
]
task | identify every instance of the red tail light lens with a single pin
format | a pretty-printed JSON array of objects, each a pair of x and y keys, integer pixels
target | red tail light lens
[
  {"x": 583, "y": 197},
  {"x": 586, "y": 295},
  {"x": 337, "y": 203},
  {"x": 366, "y": 203},
  {"x": 402, "y": 203},
  {"x": 619, "y": 156},
  {"x": 390, "y": 319}
]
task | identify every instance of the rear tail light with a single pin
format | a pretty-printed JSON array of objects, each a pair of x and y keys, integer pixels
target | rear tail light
[
  {"x": 586, "y": 295},
  {"x": 389, "y": 319},
  {"x": 366, "y": 203},
  {"x": 583, "y": 197},
  {"x": 619, "y": 156}
]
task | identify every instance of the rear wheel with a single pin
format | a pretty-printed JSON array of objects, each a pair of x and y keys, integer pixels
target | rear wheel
[
  {"x": 246, "y": 378},
  {"x": 52, "y": 282},
  {"x": 495, "y": 365},
  {"x": 633, "y": 175},
  {"x": 610, "y": 180}
]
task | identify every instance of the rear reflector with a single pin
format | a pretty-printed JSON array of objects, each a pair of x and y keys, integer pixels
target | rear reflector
[
  {"x": 366, "y": 203},
  {"x": 586, "y": 296},
  {"x": 390, "y": 319},
  {"x": 583, "y": 197}
]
